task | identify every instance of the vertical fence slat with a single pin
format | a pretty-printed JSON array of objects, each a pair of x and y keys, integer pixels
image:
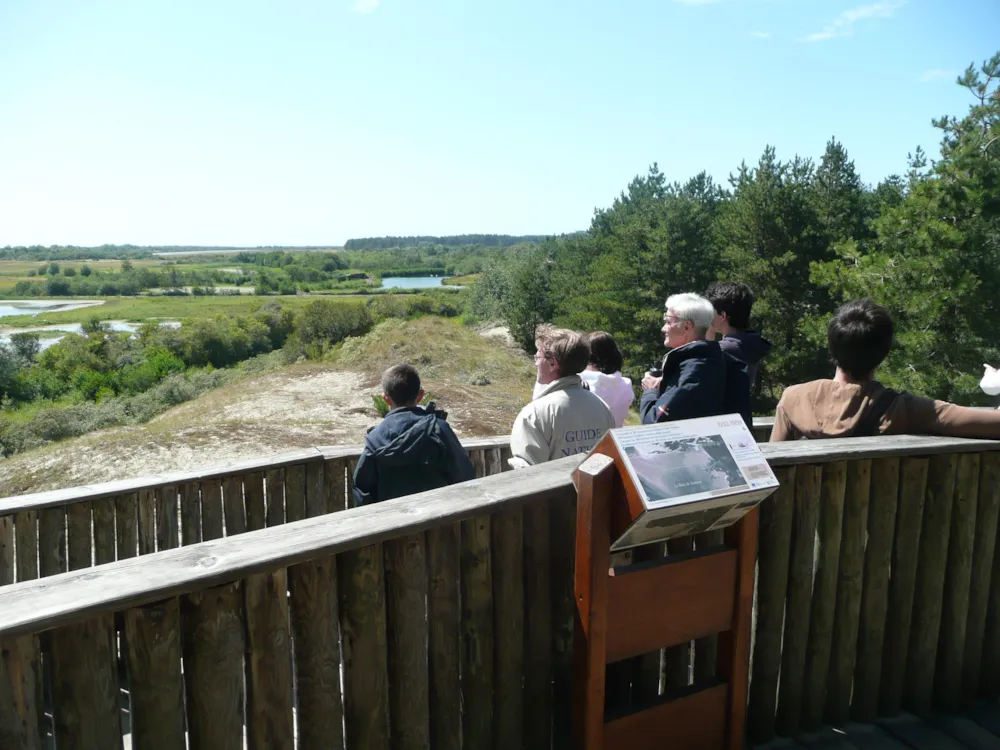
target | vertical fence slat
[
  {"x": 824, "y": 598},
  {"x": 362, "y": 617},
  {"x": 232, "y": 505},
  {"x": 335, "y": 480},
  {"x": 6, "y": 550},
  {"x": 85, "y": 684},
  {"x": 275, "y": 484},
  {"x": 774, "y": 549},
  {"x": 166, "y": 518},
  {"x": 958, "y": 580},
  {"x": 80, "y": 540},
  {"x": 26, "y": 534},
  {"x": 927, "y": 601},
  {"x": 508, "y": 624},
  {"x": 316, "y": 627},
  {"x": 316, "y": 494},
  {"x": 211, "y": 509},
  {"x": 268, "y": 663},
  {"x": 147, "y": 521},
  {"x": 443, "y": 637},
  {"x": 808, "y": 480},
  {"x": 902, "y": 584},
  {"x": 562, "y": 546},
  {"x": 253, "y": 491},
  {"x": 477, "y": 631},
  {"x": 849, "y": 586},
  {"x": 127, "y": 525},
  {"x": 982, "y": 644},
  {"x": 20, "y": 712},
  {"x": 406, "y": 640},
  {"x": 156, "y": 687},
  {"x": 51, "y": 541},
  {"x": 875, "y": 588},
  {"x": 212, "y": 625},
  {"x": 352, "y": 464},
  {"x": 190, "y": 510},
  {"x": 295, "y": 493},
  {"x": 537, "y": 628}
]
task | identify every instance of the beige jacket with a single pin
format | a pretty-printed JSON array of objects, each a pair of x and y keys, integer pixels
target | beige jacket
[{"x": 828, "y": 409}]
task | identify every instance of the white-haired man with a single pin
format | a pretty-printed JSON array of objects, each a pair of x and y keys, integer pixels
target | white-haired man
[{"x": 699, "y": 379}]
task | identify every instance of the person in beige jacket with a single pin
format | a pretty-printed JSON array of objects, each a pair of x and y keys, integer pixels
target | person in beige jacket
[
  {"x": 854, "y": 404},
  {"x": 565, "y": 417}
]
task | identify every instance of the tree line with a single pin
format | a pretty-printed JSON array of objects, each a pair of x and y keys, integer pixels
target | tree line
[
  {"x": 455, "y": 240},
  {"x": 806, "y": 237}
]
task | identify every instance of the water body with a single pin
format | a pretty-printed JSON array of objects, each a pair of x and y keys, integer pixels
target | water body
[
  {"x": 411, "y": 282},
  {"x": 35, "y": 307},
  {"x": 46, "y": 342}
]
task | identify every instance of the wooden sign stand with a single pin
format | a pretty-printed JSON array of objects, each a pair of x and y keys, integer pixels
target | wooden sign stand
[{"x": 639, "y": 609}]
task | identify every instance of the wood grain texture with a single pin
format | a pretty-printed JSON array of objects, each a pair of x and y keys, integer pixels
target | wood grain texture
[
  {"x": 989, "y": 681},
  {"x": 477, "y": 632},
  {"x": 317, "y": 492},
  {"x": 902, "y": 585},
  {"x": 26, "y": 536},
  {"x": 362, "y": 613},
  {"x": 146, "y": 520},
  {"x": 233, "y": 510},
  {"x": 824, "y": 598},
  {"x": 295, "y": 493},
  {"x": 776, "y": 513},
  {"x": 85, "y": 685},
  {"x": 927, "y": 601},
  {"x": 156, "y": 687},
  {"x": 190, "y": 511},
  {"x": 508, "y": 621},
  {"x": 798, "y": 604},
  {"x": 274, "y": 482},
  {"x": 268, "y": 663},
  {"x": 406, "y": 637},
  {"x": 443, "y": 619},
  {"x": 562, "y": 542},
  {"x": 167, "y": 535},
  {"x": 875, "y": 590},
  {"x": 706, "y": 650},
  {"x": 127, "y": 525},
  {"x": 7, "y": 566},
  {"x": 211, "y": 509},
  {"x": 51, "y": 541},
  {"x": 79, "y": 541},
  {"x": 948, "y": 691},
  {"x": 987, "y": 512},
  {"x": 316, "y": 628},
  {"x": 538, "y": 634},
  {"x": 19, "y": 707},
  {"x": 850, "y": 582},
  {"x": 212, "y": 624},
  {"x": 697, "y": 722},
  {"x": 253, "y": 498},
  {"x": 652, "y": 667},
  {"x": 337, "y": 482}
]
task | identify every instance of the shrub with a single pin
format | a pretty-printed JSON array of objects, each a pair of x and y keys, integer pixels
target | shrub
[{"x": 324, "y": 322}]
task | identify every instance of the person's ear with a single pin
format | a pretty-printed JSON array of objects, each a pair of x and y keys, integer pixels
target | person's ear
[
  {"x": 420, "y": 395},
  {"x": 388, "y": 400}
]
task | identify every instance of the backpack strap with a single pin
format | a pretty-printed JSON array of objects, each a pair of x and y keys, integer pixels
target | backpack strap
[{"x": 868, "y": 425}]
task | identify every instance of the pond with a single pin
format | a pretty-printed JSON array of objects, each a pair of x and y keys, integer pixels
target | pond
[
  {"x": 411, "y": 282},
  {"x": 48, "y": 339},
  {"x": 35, "y": 307}
]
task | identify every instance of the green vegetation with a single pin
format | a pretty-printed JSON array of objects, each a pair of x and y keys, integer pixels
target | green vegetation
[
  {"x": 805, "y": 237},
  {"x": 484, "y": 240}
]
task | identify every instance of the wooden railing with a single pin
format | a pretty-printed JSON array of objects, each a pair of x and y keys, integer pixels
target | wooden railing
[{"x": 449, "y": 614}]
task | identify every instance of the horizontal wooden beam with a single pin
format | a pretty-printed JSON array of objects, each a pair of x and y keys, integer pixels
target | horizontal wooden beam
[
  {"x": 882, "y": 446},
  {"x": 35, "y": 606},
  {"x": 672, "y": 602},
  {"x": 696, "y": 721}
]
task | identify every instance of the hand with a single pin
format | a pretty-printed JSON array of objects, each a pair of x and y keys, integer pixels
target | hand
[{"x": 649, "y": 382}]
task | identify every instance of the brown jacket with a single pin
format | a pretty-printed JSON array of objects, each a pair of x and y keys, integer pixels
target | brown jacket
[{"x": 828, "y": 409}]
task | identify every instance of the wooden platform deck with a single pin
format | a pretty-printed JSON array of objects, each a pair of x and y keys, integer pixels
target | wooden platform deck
[{"x": 976, "y": 729}]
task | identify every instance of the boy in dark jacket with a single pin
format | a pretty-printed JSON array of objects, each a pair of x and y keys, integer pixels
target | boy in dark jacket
[
  {"x": 733, "y": 302},
  {"x": 412, "y": 450}
]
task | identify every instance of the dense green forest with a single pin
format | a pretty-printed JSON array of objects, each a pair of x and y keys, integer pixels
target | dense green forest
[{"x": 805, "y": 236}]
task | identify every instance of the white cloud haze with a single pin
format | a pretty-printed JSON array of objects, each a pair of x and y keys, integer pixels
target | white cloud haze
[{"x": 844, "y": 24}]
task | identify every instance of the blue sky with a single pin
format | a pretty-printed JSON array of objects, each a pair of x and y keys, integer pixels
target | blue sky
[{"x": 253, "y": 123}]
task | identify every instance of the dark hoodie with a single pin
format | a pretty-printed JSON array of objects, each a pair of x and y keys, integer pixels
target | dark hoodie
[
  {"x": 412, "y": 450},
  {"x": 830, "y": 409},
  {"x": 749, "y": 348}
]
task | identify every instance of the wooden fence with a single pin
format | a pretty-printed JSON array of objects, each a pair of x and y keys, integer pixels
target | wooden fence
[{"x": 445, "y": 619}]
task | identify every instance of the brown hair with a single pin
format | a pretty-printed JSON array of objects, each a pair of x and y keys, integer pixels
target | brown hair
[
  {"x": 568, "y": 348},
  {"x": 401, "y": 383},
  {"x": 604, "y": 352}
]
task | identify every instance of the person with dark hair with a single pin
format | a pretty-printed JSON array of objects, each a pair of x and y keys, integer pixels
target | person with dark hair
[
  {"x": 604, "y": 375},
  {"x": 412, "y": 450},
  {"x": 564, "y": 417},
  {"x": 854, "y": 404},
  {"x": 733, "y": 302}
]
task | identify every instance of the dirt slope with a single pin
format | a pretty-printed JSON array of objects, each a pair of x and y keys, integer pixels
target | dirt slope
[{"x": 481, "y": 382}]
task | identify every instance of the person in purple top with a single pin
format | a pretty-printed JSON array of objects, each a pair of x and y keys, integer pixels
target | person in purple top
[{"x": 733, "y": 302}]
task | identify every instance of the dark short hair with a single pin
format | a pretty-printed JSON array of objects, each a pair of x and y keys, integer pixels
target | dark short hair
[
  {"x": 401, "y": 383},
  {"x": 860, "y": 337},
  {"x": 733, "y": 298},
  {"x": 604, "y": 352},
  {"x": 568, "y": 348}
]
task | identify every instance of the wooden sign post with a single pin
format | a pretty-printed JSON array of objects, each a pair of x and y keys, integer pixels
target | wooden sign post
[{"x": 639, "y": 609}]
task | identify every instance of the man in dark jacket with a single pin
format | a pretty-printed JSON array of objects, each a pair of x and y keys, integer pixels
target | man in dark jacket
[
  {"x": 699, "y": 379},
  {"x": 733, "y": 302},
  {"x": 412, "y": 450}
]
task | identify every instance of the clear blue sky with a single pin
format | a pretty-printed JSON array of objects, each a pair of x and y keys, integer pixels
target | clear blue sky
[{"x": 251, "y": 123}]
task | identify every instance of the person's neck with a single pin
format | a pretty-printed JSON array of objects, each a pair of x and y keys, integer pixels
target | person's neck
[
  {"x": 728, "y": 330},
  {"x": 842, "y": 377}
]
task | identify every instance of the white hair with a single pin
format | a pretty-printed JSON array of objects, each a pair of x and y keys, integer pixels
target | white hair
[{"x": 692, "y": 307}]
